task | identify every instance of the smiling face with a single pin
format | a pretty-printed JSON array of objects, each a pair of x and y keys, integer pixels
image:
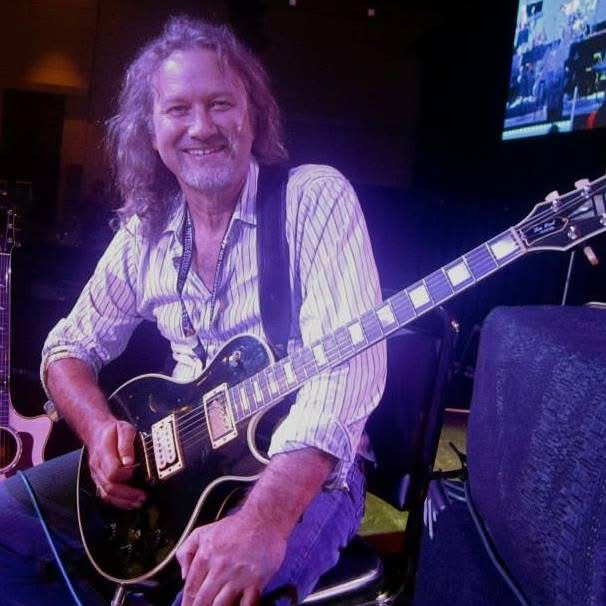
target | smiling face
[{"x": 201, "y": 123}]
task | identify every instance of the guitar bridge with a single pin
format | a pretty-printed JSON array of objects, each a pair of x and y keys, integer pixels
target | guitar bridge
[
  {"x": 167, "y": 448},
  {"x": 219, "y": 416}
]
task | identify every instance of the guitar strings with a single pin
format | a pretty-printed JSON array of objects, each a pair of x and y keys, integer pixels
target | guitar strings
[{"x": 193, "y": 426}]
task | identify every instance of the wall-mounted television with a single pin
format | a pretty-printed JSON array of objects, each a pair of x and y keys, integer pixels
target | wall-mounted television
[{"x": 558, "y": 69}]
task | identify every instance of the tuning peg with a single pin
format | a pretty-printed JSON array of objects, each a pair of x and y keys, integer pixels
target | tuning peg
[
  {"x": 591, "y": 256},
  {"x": 582, "y": 184},
  {"x": 553, "y": 197}
]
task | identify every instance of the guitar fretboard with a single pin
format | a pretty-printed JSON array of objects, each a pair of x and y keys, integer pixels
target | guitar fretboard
[
  {"x": 276, "y": 381},
  {"x": 5, "y": 312}
]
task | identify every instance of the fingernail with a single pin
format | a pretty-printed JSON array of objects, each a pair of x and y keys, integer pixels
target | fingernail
[{"x": 127, "y": 460}]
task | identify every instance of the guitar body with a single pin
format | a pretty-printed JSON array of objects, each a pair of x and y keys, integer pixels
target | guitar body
[
  {"x": 22, "y": 442},
  {"x": 129, "y": 546}
]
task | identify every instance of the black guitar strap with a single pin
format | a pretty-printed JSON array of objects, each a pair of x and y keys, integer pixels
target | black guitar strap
[{"x": 273, "y": 257}]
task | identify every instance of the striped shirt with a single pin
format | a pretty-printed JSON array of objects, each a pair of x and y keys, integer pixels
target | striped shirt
[{"x": 333, "y": 279}]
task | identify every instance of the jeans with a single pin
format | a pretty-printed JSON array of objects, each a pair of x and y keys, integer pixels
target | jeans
[{"x": 29, "y": 575}]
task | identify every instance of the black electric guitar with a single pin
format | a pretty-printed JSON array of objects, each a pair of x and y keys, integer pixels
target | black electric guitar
[
  {"x": 197, "y": 440},
  {"x": 22, "y": 439}
]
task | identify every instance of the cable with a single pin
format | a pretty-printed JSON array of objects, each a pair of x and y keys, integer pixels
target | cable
[
  {"x": 490, "y": 549},
  {"x": 49, "y": 538}
]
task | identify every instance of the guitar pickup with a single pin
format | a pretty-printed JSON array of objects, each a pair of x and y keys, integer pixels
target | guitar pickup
[
  {"x": 219, "y": 416},
  {"x": 168, "y": 455}
]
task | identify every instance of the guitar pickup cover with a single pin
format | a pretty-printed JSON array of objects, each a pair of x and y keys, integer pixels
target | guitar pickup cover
[
  {"x": 167, "y": 448},
  {"x": 219, "y": 416}
]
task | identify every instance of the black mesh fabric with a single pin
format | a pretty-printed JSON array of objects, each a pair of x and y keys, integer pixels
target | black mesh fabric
[{"x": 537, "y": 448}]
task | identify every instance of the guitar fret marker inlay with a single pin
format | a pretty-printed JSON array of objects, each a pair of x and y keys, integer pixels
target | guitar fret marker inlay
[
  {"x": 290, "y": 373},
  {"x": 385, "y": 315},
  {"x": 244, "y": 400},
  {"x": 356, "y": 334},
  {"x": 273, "y": 385},
  {"x": 503, "y": 247},
  {"x": 258, "y": 394},
  {"x": 319, "y": 355},
  {"x": 419, "y": 296},
  {"x": 457, "y": 274}
]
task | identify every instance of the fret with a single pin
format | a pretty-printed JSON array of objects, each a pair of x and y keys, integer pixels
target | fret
[
  {"x": 234, "y": 397},
  {"x": 298, "y": 365},
  {"x": 458, "y": 274},
  {"x": 250, "y": 394},
  {"x": 264, "y": 386},
  {"x": 419, "y": 297},
  {"x": 258, "y": 393},
  {"x": 371, "y": 326},
  {"x": 331, "y": 349},
  {"x": 291, "y": 378},
  {"x": 438, "y": 286},
  {"x": 402, "y": 307},
  {"x": 244, "y": 400},
  {"x": 271, "y": 381},
  {"x": 504, "y": 248},
  {"x": 280, "y": 378},
  {"x": 309, "y": 362},
  {"x": 344, "y": 343},
  {"x": 481, "y": 262}
]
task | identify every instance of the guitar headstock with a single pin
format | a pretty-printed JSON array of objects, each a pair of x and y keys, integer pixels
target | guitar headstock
[
  {"x": 8, "y": 229},
  {"x": 562, "y": 222}
]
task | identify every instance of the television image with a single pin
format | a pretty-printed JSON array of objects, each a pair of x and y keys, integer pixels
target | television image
[{"x": 558, "y": 68}]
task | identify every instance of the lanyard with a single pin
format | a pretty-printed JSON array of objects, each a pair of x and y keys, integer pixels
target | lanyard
[{"x": 184, "y": 267}]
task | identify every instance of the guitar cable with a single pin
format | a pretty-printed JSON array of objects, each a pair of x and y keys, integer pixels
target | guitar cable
[{"x": 49, "y": 538}]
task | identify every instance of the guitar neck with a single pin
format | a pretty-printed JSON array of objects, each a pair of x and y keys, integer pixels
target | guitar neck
[
  {"x": 276, "y": 381},
  {"x": 5, "y": 315}
]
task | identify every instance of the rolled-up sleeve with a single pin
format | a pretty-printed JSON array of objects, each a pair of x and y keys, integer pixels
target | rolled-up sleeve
[
  {"x": 337, "y": 278},
  {"x": 105, "y": 315}
]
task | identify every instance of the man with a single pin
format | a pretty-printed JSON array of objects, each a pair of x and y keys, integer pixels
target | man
[{"x": 196, "y": 119}]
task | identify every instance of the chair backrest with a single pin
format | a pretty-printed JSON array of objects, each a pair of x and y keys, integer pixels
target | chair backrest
[
  {"x": 404, "y": 429},
  {"x": 535, "y": 446}
]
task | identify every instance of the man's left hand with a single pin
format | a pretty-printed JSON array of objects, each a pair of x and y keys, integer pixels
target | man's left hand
[{"x": 230, "y": 561}]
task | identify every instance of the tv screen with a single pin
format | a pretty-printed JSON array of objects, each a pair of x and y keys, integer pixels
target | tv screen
[{"x": 558, "y": 68}]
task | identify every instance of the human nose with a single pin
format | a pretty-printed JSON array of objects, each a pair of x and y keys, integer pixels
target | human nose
[{"x": 201, "y": 125}]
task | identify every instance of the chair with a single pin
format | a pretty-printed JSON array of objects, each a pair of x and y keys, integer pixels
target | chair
[{"x": 404, "y": 431}]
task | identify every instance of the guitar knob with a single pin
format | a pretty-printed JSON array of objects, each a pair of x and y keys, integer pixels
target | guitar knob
[{"x": 234, "y": 359}]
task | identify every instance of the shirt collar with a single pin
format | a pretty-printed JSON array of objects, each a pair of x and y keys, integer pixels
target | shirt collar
[{"x": 245, "y": 210}]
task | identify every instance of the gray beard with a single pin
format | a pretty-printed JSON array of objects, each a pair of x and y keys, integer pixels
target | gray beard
[{"x": 209, "y": 180}]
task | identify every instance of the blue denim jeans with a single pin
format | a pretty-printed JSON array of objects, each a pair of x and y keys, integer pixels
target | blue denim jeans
[{"x": 29, "y": 576}]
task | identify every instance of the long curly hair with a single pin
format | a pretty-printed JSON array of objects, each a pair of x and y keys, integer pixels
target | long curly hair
[{"x": 147, "y": 188}]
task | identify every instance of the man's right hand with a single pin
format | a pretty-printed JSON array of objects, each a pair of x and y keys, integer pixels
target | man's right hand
[{"x": 111, "y": 456}]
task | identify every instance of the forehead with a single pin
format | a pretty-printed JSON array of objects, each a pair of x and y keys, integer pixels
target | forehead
[{"x": 197, "y": 71}]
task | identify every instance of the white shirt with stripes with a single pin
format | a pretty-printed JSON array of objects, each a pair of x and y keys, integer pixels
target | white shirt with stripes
[{"x": 333, "y": 279}]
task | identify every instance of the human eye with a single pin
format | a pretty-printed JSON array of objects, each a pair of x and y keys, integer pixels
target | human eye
[
  {"x": 221, "y": 105},
  {"x": 176, "y": 110}
]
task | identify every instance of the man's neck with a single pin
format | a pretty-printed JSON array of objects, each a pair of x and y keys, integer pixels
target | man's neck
[{"x": 212, "y": 211}]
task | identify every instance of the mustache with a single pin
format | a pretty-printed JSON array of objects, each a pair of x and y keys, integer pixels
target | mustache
[{"x": 216, "y": 140}]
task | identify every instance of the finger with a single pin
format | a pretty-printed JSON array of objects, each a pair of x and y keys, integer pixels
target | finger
[
  {"x": 227, "y": 596},
  {"x": 185, "y": 554},
  {"x": 126, "y": 442},
  {"x": 124, "y": 491},
  {"x": 196, "y": 575},
  {"x": 209, "y": 587},
  {"x": 250, "y": 597}
]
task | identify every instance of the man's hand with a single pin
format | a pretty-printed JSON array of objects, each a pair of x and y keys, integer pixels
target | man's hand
[
  {"x": 111, "y": 454},
  {"x": 230, "y": 561}
]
